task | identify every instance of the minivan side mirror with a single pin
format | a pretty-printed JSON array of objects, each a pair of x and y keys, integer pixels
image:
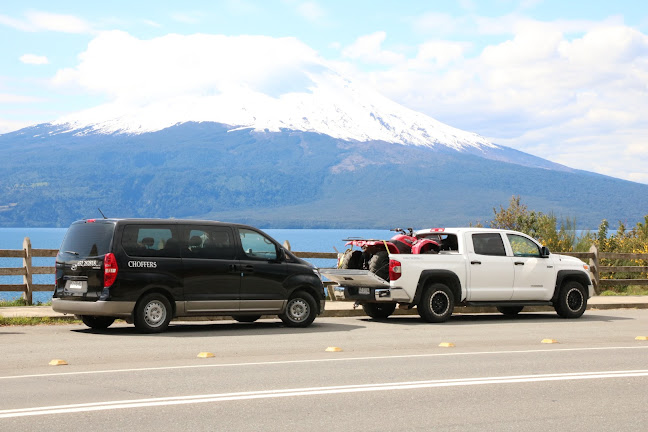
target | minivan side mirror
[
  {"x": 281, "y": 254},
  {"x": 544, "y": 252}
]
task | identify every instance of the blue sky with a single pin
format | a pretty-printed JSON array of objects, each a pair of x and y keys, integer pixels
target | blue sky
[{"x": 564, "y": 80}]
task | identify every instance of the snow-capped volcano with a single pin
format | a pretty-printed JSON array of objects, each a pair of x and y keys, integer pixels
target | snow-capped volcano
[{"x": 322, "y": 102}]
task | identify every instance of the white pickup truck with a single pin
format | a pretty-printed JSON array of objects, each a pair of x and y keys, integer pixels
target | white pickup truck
[{"x": 474, "y": 267}]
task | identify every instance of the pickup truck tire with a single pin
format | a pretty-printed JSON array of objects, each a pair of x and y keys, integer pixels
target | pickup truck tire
[
  {"x": 510, "y": 310},
  {"x": 379, "y": 311},
  {"x": 379, "y": 265},
  {"x": 351, "y": 260},
  {"x": 301, "y": 310},
  {"x": 436, "y": 304},
  {"x": 97, "y": 322},
  {"x": 571, "y": 301}
]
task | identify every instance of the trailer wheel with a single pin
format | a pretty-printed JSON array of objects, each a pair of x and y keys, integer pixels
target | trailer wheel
[
  {"x": 379, "y": 311},
  {"x": 379, "y": 265},
  {"x": 436, "y": 304}
]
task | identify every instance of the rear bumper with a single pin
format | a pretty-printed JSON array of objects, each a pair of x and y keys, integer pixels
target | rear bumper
[
  {"x": 117, "y": 309},
  {"x": 375, "y": 295}
]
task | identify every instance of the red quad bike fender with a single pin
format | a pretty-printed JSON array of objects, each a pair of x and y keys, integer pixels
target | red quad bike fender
[
  {"x": 425, "y": 246},
  {"x": 366, "y": 244}
]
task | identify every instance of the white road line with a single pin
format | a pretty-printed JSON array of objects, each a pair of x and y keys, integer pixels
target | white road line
[
  {"x": 312, "y": 391},
  {"x": 320, "y": 360}
]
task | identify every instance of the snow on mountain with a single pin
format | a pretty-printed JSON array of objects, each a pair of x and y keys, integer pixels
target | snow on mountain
[{"x": 325, "y": 103}]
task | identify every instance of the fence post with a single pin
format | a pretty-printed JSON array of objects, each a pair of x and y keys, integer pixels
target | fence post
[
  {"x": 286, "y": 245},
  {"x": 594, "y": 268},
  {"x": 27, "y": 265}
]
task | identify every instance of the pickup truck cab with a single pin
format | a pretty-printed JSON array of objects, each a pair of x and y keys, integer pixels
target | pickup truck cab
[{"x": 475, "y": 267}]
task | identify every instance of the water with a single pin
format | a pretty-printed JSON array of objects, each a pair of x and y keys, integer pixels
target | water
[{"x": 301, "y": 240}]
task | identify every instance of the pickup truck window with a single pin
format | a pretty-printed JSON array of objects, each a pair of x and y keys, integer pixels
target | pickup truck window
[
  {"x": 523, "y": 247},
  {"x": 488, "y": 244}
]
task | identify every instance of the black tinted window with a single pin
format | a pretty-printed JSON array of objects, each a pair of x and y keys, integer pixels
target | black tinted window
[
  {"x": 88, "y": 239},
  {"x": 209, "y": 242},
  {"x": 150, "y": 241},
  {"x": 488, "y": 244},
  {"x": 256, "y": 245}
]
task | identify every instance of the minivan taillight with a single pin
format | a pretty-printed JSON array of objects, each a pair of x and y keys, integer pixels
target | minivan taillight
[
  {"x": 110, "y": 269},
  {"x": 394, "y": 270}
]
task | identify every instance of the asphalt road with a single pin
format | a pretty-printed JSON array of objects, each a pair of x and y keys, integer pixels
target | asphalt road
[{"x": 389, "y": 376}]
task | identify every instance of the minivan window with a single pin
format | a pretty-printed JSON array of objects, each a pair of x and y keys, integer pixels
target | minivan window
[
  {"x": 88, "y": 239},
  {"x": 210, "y": 243},
  {"x": 488, "y": 244},
  {"x": 256, "y": 245},
  {"x": 148, "y": 241}
]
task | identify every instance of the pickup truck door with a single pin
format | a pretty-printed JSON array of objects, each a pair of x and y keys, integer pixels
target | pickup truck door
[
  {"x": 490, "y": 269},
  {"x": 535, "y": 277}
]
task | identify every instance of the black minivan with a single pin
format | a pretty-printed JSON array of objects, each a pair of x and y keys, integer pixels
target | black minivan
[{"x": 148, "y": 271}]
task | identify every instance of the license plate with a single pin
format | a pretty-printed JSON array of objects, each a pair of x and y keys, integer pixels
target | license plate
[
  {"x": 76, "y": 286},
  {"x": 364, "y": 290}
]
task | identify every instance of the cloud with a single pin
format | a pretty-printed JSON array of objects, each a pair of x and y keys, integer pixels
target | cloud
[
  {"x": 34, "y": 59},
  {"x": 125, "y": 68},
  {"x": 7, "y": 126},
  {"x": 540, "y": 91},
  {"x": 368, "y": 48},
  {"x": 14, "y": 98},
  {"x": 311, "y": 10},
  {"x": 36, "y": 21}
]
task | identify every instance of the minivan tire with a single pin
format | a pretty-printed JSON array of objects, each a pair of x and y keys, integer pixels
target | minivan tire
[
  {"x": 153, "y": 313},
  {"x": 301, "y": 310},
  {"x": 97, "y": 322}
]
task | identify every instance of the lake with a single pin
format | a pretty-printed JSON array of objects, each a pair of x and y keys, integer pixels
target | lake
[{"x": 302, "y": 240}]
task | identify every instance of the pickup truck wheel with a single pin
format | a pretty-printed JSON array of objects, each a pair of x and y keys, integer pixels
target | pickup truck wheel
[
  {"x": 97, "y": 322},
  {"x": 510, "y": 310},
  {"x": 572, "y": 301},
  {"x": 152, "y": 313},
  {"x": 437, "y": 303},
  {"x": 300, "y": 310},
  {"x": 379, "y": 311},
  {"x": 379, "y": 265},
  {"x": 351, "y": 260},
  {"x": 246, "y": 318}
]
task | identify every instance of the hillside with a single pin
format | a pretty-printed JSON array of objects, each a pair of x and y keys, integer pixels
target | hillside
[{"x": 286, "y": 178}]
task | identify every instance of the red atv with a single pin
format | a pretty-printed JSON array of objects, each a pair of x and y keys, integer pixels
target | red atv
[{"x": 374, "y": 254}]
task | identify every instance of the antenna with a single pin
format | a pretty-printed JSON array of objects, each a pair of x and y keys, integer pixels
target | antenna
[{"x": 104, "y": 216}]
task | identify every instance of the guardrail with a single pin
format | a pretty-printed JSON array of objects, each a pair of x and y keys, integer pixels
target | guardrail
[{"x": 594, "y": 258}]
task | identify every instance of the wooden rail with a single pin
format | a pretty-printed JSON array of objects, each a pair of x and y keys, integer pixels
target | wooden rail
[{"x": 28, "y": 270}]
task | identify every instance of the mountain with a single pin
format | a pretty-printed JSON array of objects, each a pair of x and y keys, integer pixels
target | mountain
[{"x": 324, "y": 152}]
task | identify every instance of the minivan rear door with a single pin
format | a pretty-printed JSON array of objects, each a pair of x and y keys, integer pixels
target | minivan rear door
[
  {"x": 212, "y": 279},
  {"x": 80, "y": 261}
]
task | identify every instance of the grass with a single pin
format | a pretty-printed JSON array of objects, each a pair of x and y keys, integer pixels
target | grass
[
  {"x": 633, "y": 290},
  {"x": 33, "y": 321},
  {"x": 21, "y": 302}
]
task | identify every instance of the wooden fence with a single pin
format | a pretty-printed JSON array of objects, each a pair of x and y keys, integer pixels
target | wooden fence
[{"x": 593, "y": 258}]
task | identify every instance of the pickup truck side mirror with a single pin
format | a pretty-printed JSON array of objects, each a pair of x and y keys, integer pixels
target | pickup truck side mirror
[{"x": 544, "y": 252}]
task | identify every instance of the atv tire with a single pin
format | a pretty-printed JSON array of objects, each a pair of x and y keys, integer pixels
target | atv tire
[
  {"x": 379, "y": 265},
  {"x": 351, "y": 260}
]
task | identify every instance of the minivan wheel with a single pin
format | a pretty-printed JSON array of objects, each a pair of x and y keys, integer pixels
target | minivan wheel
[
  {"x": 301, "y": 310},
  {"x": 436, "y": 304},
  {"x": 246, "y": 318},
  {"x": 152, "y": 313},
  {"x": 97, "y": 322}
]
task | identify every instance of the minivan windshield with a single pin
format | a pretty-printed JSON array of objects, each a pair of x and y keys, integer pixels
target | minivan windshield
[{"x": 88, "y": 239}]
